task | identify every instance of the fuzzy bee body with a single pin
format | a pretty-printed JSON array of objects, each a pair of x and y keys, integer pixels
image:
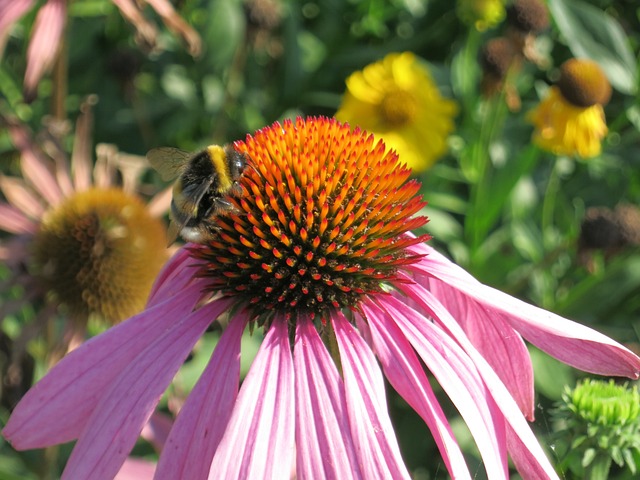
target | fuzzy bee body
[{"x": 205, "y": 181}]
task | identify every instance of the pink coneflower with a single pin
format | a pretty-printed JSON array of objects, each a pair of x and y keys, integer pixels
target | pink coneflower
[
  {"x": 84, "y": 243},
  {"x": 48, "y": 30},
  {"x": 320, "y": 256}
]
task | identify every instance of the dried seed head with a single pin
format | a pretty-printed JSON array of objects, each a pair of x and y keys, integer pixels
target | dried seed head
[
  {"x": 528, "y": 16},
  {"x": 583, "y": 83}
]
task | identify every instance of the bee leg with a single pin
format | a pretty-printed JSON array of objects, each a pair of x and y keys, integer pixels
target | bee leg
[
  {"x": 236, "y": 190},
  {"x": 221, "y": 205},
  {"x": 207, "y": 230}
]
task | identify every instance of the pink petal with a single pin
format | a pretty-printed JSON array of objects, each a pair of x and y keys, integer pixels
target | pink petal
[
  {"x": 175, "y": 22},
  {"x": 58, "y": 407},
  {"x": 81, "y": 163},
  {"x": 125, "y": 407},
  {"x": 81, "y": 170},
  {"x": 179, "y": 270},
  {"x": 104, "y": 170},
  {"x": 203, "y": 418},
  {"x": 14, "y": 221},
  {"x": 320, "y": 411},
  {"x": 20, "y": 197},
  {"x": 496, "y": 340},
  {"x": 10, "y": 12},
  {"x": 407, "y": 376},
  {"x": 458, "y": 377},
  {"x": 160, "y": 203},
  {"x": 136, "y": 469},
  {"x": 569, "y": 342},
  {"x": 509, "y": 409},
  {"x": 259, "y": 440},
  {"x": 373, "y": 435},
  {"x": 44, "y": 44},
  {"x": 34, "y": 166},
  {"x": 63, "y": 175},
  {"x": 145, "y": 30},
  {"x": 526, "y": 461}
]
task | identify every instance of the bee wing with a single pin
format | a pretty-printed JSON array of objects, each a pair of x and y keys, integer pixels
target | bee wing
[
  {"x": 168, "y": 161},
  {"x": 191, "y": 197},
  {"x": 172, "y": 233}
]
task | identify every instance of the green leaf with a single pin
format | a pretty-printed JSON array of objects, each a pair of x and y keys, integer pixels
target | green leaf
[
  {"x": 442, "y": 225},
  {"x": 90, "y": 8},
  {"x": 550, "y": 377},
  {"x": 616, "y": 455},
  {"x": 588, "y": 457},
  {"x": 527, "y": 239},
  {"x": 592, "y": 33},
  {"x": 632, "y": 459},
  {"x": 465, "y": 74},
  {"x": 225, "y": 32},
  {"x": 493, "y": 190},
  {"x": 577, "y": 441},
  {"x": 599, "y": 469},
  {"x": 600, "y": 295}
]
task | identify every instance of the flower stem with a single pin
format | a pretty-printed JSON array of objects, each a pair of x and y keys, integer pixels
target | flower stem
[
  {"x": 60, "y": 81},
  {"x": 549, "y": 201}
]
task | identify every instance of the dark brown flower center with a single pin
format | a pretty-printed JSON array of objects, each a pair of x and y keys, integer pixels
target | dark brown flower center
[
  {"x": 583, "y": 83},
  {"x": 496, "y": 56},
  {"x": 528, "y": 16}
]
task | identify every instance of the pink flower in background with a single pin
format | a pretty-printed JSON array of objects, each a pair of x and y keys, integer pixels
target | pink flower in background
[
  {"x": 48, "y": 30},
  {"x": 319, "y": 254},
  {"x": 83, "y": 243}
]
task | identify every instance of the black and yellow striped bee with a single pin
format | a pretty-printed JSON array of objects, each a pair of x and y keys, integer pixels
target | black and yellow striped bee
[{"x": 204, "y": 182}]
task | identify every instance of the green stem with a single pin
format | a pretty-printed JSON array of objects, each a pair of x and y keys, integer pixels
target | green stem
[
  {"x": 482, "y": 174},
  {"x": 60, "y": 78},
  {"x": 549, "y": 201}
]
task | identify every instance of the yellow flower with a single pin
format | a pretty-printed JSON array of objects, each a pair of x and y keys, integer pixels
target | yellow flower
[
  {"x": 482, "y": 14},
  {"x": 570, "y": 120},
  {"x": 397, "y": 99}
]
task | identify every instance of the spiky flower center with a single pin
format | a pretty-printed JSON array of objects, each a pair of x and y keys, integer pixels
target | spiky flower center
[
  {"x": 398, "y": 108},
  {"x": 597, "y": 425},
  {"x": 583, "y": 83},
  {"x": 321, "y": 222},
  {"x": 98, "y": 252},
  {"x": 605, "y": 403}
]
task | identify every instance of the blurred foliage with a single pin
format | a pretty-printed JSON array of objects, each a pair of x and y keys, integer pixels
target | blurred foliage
[{"x": 506, "y": 211}]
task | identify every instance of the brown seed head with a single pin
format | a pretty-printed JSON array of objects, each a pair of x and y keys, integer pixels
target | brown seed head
[
  {"x": 583, "y": 83},
  {"x": 496, "y": 57},
  {"x": 528, "y": 16}
]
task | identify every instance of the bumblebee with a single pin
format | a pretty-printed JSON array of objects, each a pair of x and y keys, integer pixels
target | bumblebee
[{"x": 205, "y": 181}]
